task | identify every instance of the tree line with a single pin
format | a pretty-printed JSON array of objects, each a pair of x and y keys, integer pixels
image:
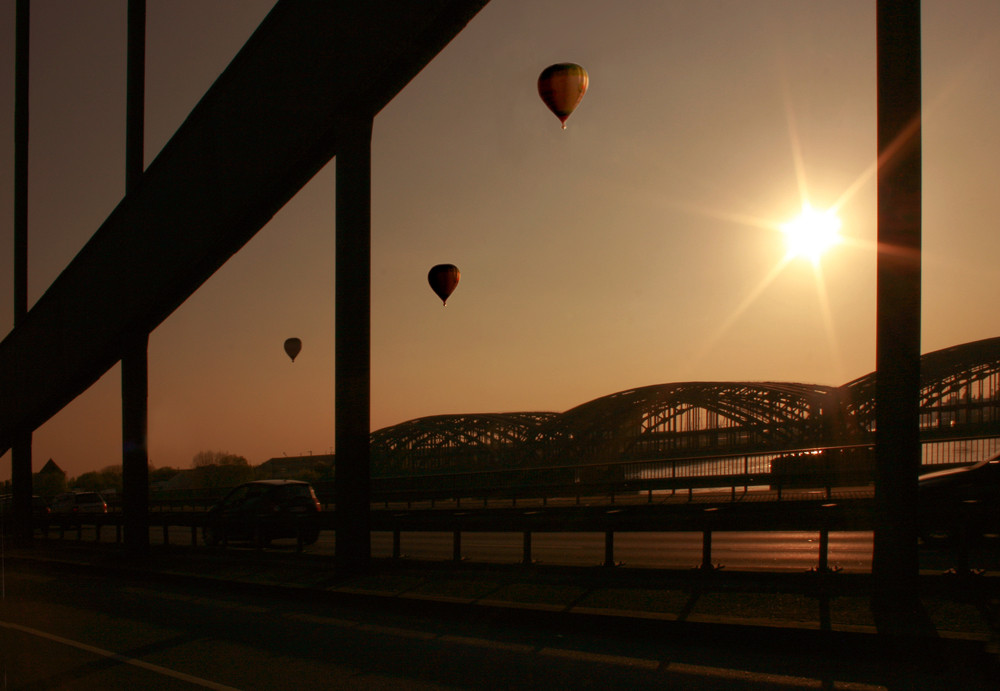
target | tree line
[{"x": 209, "y": 469}]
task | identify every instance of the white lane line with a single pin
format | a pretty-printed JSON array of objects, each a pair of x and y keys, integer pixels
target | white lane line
[
  {"x": 764, "y": 678},
  {"x": 619, "y": 660},
  {"x": 486, "y": 643},
  {"x": 582, "y": 656},
  {"x": 119, "y": 658},
  {"x": 397, "y": 631},
  {"x": 315, "y": 619}
]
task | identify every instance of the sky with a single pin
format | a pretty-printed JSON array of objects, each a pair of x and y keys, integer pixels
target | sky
[{"x": 641, "y": 245}]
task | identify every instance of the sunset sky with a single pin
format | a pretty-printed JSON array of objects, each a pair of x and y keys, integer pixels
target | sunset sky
[{"x": 641, "y": 245}]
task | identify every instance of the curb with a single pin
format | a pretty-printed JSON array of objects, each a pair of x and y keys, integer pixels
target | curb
[{"x": 797, "y": 636}]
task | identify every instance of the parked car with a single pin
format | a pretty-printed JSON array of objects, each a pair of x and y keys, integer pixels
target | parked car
[
  {"x": 961, "y": 499},
  {"x": 39, "y": 507},
  {"x": 72, "y": 503},
  {"x": 264, "y": 510}
]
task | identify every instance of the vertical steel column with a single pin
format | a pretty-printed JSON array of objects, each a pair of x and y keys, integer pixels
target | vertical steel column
[
  {"x": 897, "y": 379},
  {"x": 352, "y": 483},
  {"x": 134, "y": 363},
  {"x": 824, "y": 551},
  {"x": 21, "y": 450},
  {"x": 706, "y": 550}
]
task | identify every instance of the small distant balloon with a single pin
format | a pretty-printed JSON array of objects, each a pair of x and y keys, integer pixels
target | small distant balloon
[
  {"x": 562, "y": 87},
  {"x": 443, "y": 279},
  {"x": 293, "y": 346}
]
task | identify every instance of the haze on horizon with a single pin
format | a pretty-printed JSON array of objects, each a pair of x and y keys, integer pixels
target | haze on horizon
[{"x": 641, "y": 245}]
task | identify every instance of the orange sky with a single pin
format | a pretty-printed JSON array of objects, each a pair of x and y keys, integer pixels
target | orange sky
[{"x": 638, "y": 246}]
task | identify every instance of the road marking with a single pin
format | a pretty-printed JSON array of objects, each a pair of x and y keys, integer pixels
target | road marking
[
  {"x": 119, "y": 658},
  {"x": 397, "y": 631},
  {"x": 620, "y": 660},
  {"x": 315, "y": 619},
  {"x": 148, "y": 593},
  {"x": 582, "y": 656},
  {"x": 773, "y": 679},
  {"x": 486, "y": 643}
]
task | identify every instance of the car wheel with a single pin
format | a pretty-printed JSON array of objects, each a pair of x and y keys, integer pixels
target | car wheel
[{"x": 309, "y": 537}]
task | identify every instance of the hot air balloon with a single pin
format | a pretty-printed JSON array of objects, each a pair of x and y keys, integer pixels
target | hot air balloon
[
  {"x": 443, "y": 279},
  {"x": 562, "y": 87},
  {"x": 293, "y": 346}
]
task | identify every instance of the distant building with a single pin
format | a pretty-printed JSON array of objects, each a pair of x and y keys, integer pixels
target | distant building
[
  {"x": 50, "y": 468},
  {"x": 49, "y": 481}
]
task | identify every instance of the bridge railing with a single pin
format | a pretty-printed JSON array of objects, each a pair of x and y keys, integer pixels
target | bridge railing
[{"x": 817, "y": 515}]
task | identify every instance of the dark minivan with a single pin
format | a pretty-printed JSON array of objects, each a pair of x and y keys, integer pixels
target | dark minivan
[
  {"x": 961, "y": 500},
  {"x": 264, "y": 510}
]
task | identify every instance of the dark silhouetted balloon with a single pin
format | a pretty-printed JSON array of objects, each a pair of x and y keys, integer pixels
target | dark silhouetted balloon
[
  {"x": 443, "y": 279},
  {"x": 293, "y": 346},
  {"x": 562, "y": 87}
]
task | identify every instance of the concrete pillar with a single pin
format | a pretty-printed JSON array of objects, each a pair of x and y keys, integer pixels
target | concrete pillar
[
  {"x": 352, "y": 485},
  {"x": 897, "y": 387},
  {"x": 21, "y": 449},
  {"x": 134, "y": 363}
]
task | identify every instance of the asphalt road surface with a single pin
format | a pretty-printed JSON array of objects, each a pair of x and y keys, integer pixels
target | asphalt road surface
[{"x": 63, "y": 629}]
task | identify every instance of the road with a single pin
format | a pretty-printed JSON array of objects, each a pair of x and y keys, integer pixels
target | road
[{"x": 63, "y": 629}]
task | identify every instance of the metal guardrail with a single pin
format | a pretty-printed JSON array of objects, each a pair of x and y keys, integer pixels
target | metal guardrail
[
  {"x": 801, "y": 515},
  {"x": 820, "y": 515}
]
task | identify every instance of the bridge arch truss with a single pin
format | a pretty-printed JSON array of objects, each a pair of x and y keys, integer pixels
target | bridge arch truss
[{"x": 959, "y": 399}]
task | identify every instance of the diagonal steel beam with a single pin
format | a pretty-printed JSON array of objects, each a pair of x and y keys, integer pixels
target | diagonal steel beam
[{"x": 266, "y": 126}]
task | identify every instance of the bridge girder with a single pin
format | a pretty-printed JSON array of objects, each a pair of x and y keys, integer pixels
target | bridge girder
[
  {"x": 274, "y": 117},
  {"x": 466, "y": 441},
  {"x": 688, "y": 418},
  {"x": 947, "y": 379}
]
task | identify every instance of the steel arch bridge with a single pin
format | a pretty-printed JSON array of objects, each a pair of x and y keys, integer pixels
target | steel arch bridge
[
  {"x": 960, "y": 402},
  {"x": 448, "y": 442}
]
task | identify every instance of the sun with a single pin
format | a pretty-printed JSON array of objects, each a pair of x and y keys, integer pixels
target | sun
[{"x": 811, "y": 234}]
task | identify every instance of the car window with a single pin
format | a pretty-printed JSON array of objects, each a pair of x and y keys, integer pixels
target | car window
[
  {"x": 88, "y": 498},
  {"x": 293, "y": 491},
  {"x": 236, "y": 496},
  {"x": 255, "y": 491}
]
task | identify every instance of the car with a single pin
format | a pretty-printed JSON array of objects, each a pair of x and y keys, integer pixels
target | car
[
  {"x": 39, "y": 507},
  {"x": 73, "y": 503},
  {"x": 964, "y": 499},
  {"x": 264, "y": 510}
]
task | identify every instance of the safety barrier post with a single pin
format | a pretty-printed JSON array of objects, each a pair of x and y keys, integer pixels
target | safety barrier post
[
  {"x": 526, "y": 553},
  {"x": 706, "y": 550},
  {"x": 456, "y": 547},
  {"x": 824, "y": 550},
  {"x": 609, "y": 548}
]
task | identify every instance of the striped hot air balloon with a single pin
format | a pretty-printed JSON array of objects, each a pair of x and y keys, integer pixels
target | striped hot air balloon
[{"x": 562, "y": 87}]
